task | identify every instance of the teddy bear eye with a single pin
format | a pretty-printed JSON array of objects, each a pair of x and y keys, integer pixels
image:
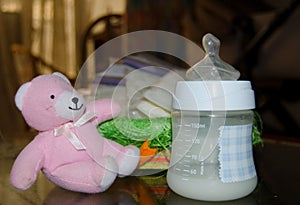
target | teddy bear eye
[{"x": 52, "y": 96}]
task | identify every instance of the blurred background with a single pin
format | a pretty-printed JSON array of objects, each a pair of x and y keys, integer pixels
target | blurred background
[{"x": 259, "y": 38}]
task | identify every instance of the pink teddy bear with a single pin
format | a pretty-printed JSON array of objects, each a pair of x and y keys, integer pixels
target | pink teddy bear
[{"x": 68, "y": 149}]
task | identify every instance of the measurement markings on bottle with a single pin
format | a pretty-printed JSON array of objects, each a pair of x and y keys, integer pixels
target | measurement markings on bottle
[
  {"x": 196, "y": 125},
  {"x": 193, "y": 171},
  {"x": 186, "y": 170},
  {"x": 196, "y": 141},
  {"x": 194, "y": 157}
]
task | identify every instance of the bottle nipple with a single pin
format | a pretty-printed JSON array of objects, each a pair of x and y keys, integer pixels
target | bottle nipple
[{"x": 212, "y": 67}]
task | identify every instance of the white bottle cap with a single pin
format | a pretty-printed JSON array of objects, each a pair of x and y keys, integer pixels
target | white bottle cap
[{"x": 213, "y": 95}]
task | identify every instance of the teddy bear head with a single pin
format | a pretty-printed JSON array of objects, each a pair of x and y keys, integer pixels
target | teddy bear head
[{"x": 49, "y": 101}]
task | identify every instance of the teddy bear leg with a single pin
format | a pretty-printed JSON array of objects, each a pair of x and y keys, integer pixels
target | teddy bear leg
[
  {"x": 127, "y": 157},
  {"x": 87, "y": 176},
  {"x": 111, "y": 170},
  {"x": 128, "y": 161}
]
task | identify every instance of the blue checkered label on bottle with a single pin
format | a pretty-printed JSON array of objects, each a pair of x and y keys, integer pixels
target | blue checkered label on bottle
[{"x": 236, "y": 157}]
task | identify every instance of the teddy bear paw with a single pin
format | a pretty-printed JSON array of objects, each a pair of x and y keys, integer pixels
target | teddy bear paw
[
  {"x": 110, "y": 174},
  {"x": 130, "y": 161}
]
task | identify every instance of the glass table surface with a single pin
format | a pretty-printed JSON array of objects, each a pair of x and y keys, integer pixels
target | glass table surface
[{"x": 277, "y": 164}]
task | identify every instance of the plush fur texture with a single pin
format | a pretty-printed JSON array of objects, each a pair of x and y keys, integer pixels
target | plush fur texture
[{"x": 49, "y": 102}]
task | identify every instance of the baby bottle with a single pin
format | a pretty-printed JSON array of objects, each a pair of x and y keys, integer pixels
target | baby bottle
[{"x": 211, "y": 157}]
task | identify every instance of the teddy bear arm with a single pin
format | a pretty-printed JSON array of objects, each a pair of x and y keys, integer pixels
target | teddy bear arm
[
  {"x": 27, "y": 166},
  {"x": 105, "y": 109}
]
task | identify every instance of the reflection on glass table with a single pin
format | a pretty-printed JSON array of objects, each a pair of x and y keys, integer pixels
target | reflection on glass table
[{"x": 276, "y": 164}]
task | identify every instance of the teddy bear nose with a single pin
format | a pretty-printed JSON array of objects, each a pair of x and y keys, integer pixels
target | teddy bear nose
[{"x": 75, "y": 100}]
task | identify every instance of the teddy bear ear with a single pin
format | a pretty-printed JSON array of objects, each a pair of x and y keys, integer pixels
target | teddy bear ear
[
  {"x": 20, "y": 95},
  {"x": 62, "y": 76}
]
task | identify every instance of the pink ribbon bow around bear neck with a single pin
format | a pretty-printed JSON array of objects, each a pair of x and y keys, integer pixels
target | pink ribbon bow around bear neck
[{"x": 71, "y": 136}]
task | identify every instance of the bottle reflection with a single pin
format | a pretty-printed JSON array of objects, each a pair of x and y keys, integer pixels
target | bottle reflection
[{"x": 175, "y": 199}]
